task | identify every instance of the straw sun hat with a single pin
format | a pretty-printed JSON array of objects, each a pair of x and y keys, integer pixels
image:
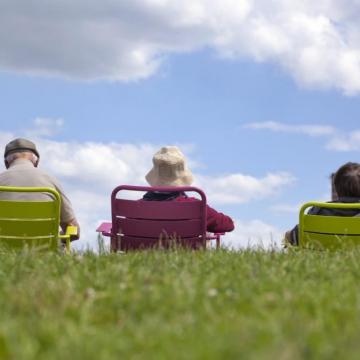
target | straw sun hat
[{"x": 169, "y": 168}]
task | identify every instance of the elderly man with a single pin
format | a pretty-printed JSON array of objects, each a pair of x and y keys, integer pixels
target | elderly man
[{"x": 21, "y": 160}]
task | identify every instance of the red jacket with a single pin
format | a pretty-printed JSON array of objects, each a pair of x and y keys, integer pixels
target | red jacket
[{"x": 217, "y": 222}]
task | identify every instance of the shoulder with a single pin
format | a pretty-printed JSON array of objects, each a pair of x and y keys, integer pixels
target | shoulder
[
  {"x": 50, "y": 179},
  {"x": 46, "y": 175}
]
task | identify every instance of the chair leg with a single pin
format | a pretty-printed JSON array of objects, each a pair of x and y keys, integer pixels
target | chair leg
[
  {"x": 217, "y": 242},
  {"x": 67, "y": 246},
  {"x": 113, "y": 244}
]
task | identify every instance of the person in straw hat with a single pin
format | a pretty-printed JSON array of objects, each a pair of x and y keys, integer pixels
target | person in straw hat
[
  {"x": 169, "y": 169},
  {"x": 21, "y": 159}
]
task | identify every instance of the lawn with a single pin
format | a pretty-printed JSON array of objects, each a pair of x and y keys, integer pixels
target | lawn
[{"x": 180, "y": 305}]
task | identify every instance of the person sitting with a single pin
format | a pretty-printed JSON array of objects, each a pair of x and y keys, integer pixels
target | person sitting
[
  {"x": 346, "y": 189},
  {"x": 169, "y": 169},
  {"x": 21, "y": 159}
]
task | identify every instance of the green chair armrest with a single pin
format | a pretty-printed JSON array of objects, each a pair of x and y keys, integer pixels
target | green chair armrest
[{"x": 72, "y": 232}]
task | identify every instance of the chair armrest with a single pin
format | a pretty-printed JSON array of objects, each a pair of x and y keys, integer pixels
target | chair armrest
[
  {"x": 72, "y": 233},
  {"x": 214, "y": 236},
  {"x": 105, "y": 228}
]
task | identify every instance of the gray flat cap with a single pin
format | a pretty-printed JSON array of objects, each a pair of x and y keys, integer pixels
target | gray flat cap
[{"x": 20, "y": 145}]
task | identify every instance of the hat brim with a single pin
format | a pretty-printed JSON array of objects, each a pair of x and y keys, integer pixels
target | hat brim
[{"x": 154, "y": 180}]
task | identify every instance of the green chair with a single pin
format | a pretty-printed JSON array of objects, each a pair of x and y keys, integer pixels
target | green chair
[
  {"x": 328, "y": 232},
  {"x": 32, "y": 224}
]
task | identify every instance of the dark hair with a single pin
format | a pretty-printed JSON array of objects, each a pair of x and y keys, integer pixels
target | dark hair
[
  {"x": 334, "y": 195},
  {"x": 347, "y": 180}
]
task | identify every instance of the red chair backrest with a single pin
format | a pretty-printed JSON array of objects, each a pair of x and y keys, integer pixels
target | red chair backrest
[{"x": 138, "y": 224}]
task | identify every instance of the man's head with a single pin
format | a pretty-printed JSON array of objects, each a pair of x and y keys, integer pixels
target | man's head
[
  {"x": 347, "y": 180},
  {"x": 21, "y": 149}
]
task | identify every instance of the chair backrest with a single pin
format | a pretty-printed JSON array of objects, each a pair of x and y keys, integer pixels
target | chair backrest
[
  {"x": 138, "y": 224},
  {"x": 329, "y": 232},
  {"x": 30, "y": 223}
]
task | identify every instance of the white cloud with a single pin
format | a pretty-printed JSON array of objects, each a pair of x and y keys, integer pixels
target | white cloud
[
  {"x": 254, "y": 234},
  {"x": 336, "y": 139},
  {"x": 345, "y": 142},
  {"x": 96, "y": 164},
  {"x": 45, "y": 127},
  {"x": 311, "y": 130},
  {"x": 240, "y": 188},
  {"x": 285, "y": 208},
  {"x": 316, "y": 42}
]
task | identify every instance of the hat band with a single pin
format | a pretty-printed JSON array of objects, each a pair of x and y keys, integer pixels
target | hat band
[{"x": 23, "y": 149}]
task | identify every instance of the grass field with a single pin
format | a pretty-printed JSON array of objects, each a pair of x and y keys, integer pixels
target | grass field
[{"x": 180, "y": 305}]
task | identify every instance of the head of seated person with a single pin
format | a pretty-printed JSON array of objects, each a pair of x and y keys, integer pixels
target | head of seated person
[
  {"x": 169, "y": 170},
  {"x": 21, "y": 149},
  {"x": 347, "y": 181}
]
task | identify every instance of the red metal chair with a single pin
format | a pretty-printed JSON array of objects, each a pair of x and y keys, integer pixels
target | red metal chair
[{"x": 140, "y": 224}]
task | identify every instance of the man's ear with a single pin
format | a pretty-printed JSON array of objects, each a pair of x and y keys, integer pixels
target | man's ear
[{"x": 7, "y": 165}]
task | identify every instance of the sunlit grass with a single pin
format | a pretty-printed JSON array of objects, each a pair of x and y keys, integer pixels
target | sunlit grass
[{"x": 180, "y": 305}]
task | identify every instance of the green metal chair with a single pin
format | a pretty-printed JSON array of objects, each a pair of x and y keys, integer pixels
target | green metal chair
[
  {"x": 329, "y": 232},
  {"x": 32, "y": 224}
]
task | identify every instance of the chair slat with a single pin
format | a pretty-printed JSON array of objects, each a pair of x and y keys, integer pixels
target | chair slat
[
  {"x": 42, "y": 244},
  {"x": 332, "y": 225},
  {"x": 126, "y": 243},
  {"x": 329, "y": 241},
  {"x": 28, "y": 227},
  {"x": 27, "y": 209},
  {"x": 158, "y": 210},
  {"x": 136, "y": 227}
]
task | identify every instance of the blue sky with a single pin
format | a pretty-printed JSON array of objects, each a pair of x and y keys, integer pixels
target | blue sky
[{"x": 262, "y": 134}]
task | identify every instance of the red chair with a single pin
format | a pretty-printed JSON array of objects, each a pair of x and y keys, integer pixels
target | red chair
[{"x": 138, "y": 224}]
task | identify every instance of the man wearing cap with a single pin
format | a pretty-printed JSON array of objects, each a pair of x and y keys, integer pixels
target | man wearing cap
[{"x": 21, "y": 159}]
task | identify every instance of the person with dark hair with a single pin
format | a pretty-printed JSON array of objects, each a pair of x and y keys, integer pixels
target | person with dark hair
[{"x": 345, "y": 189}]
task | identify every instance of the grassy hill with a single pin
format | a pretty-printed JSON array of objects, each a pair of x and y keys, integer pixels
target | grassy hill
[{"x": 180, "y": 305}]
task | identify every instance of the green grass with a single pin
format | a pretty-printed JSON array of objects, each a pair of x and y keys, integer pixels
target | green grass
[{"x": 180, "y": 305}]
